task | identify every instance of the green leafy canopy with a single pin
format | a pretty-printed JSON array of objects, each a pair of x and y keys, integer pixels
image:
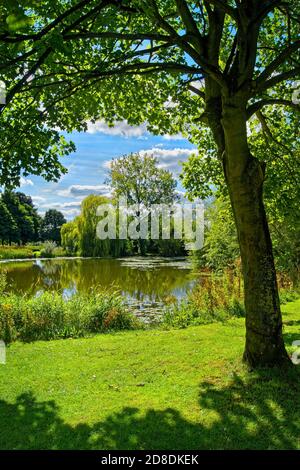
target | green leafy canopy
[{"x": 67, "y": 62}]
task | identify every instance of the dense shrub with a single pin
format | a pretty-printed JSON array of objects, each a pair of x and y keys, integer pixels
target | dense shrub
[
  {"x": 215, "y": 298},
  {"x": 218, "y": 298},
  {"x": 220, "y": 250},
  {"x": 49, "y": 316},
  {"x": 48, "y": 249}
]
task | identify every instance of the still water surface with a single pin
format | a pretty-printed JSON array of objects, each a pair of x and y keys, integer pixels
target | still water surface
[{"x": 147, "y": 283}]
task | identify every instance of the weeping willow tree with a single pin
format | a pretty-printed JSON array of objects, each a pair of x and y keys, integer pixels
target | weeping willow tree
[
  {"x": 181, "y": 66},
  {"x": 79, "y": 235}
]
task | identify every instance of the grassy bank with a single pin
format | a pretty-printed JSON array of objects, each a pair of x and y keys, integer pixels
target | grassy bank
[
  {"x": 17, "y": 252},
  {"x": 177, "y": 389},
  {"x": 47, "y": 250}
]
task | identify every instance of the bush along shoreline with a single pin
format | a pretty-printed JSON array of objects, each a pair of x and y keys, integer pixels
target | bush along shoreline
[
  {"x": 217, "y": 298},
  {"x": 49, "y": 316}
]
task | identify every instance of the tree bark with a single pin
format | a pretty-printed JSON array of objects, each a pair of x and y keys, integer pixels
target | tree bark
[{"x": 244, "y": 175}]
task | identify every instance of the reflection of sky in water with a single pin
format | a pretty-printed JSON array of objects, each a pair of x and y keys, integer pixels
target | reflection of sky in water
[
  {"x": 69, "y": 292},
  {"x": 146, "y": 264}
]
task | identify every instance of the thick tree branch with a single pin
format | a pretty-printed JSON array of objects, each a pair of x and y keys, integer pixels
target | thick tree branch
[
  {"x": 231, "y": 57},
  {"x": 255, "y": 107},
  {"x": 265, "y": 8},
  {"x": 27, "y": 76},
  {"x": 276, "y": 79},
  {"x": 145, "y": 66},
  {"x": 6, "y": 37},
  {"x": 17, "y": 59},
  {"x": 181, "y": 41},
  {"x": 223, "y": 6},
  {"x": 280, "y": 59},
  {"x": 197, "y": 91},
  {"x": 91, "y": 35},
  {"x": 120, "y": 36},
  {"x": 129, "y": 69},
  {"x": 190, "y": 24}
]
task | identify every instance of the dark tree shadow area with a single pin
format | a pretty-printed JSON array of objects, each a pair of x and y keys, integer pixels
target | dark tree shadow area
[{"x": 259, "y": 412}]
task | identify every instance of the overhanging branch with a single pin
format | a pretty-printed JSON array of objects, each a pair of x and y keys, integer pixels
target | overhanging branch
[
  {"x": 6, "y": 37},
  {"x": 120, "y": 36},
  {"x": 280, "y": 59},
  {"x": 197, "y": 91},
  {"x": 190, "y": 24},
  {"x": 213, "y": 71},
  {"x": 129, "y": 69},
  {"x": 255, "y": 107},
  {"x": 279, "y": 78}
]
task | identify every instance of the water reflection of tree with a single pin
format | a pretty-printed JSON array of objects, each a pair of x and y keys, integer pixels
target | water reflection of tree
[
  {"x": 153, "y": 283},
  {"x": 23, "y": 276}
]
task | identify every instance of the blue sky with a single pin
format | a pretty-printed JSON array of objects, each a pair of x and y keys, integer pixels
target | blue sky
[{"x": 87, "y": 167}]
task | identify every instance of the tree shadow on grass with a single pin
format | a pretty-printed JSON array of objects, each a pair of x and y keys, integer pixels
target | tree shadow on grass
[
  {"x": 291, "y": 323},
  {"x": 261, "y": 411},
  {"x": 289, "y": 338}
]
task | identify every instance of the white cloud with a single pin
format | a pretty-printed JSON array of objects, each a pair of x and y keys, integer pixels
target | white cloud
[
  {"x": 38, "y": 199},
  {"x": 178, "y": 136},
  {"x": 66, "y": 205},
  {"x": 61, "y": 205},
  {"x": 25, "y": 182},
  {"x": 174, "y": 153},
  {"x": 121, "y": 128},
  {"x": 107, "y": 164},
  {"x": 169, "y": 159},
  {"x": 80, "y": 191},
  {"x": 68, "y": 213}
]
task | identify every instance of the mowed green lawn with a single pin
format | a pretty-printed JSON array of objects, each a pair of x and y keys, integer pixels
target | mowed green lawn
[{"x": 177, "y": 389}]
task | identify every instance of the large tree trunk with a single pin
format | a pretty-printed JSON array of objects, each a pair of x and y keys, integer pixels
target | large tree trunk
[{"x": 245, "y": 176}]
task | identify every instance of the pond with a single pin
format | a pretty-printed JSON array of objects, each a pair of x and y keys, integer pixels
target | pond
[{"x": 146, "y": 282}]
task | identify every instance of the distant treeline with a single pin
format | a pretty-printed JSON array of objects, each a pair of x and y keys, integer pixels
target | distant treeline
[{"x": 20, "y": 222}]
